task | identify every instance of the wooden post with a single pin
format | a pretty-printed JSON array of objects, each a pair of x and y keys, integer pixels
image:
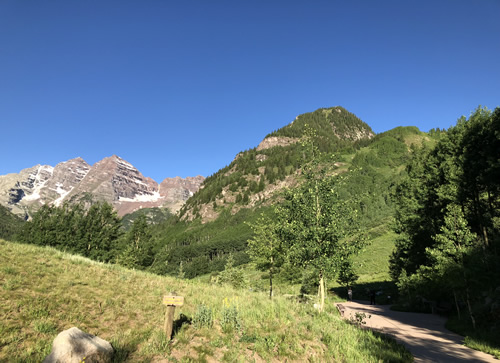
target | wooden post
[
  {"x": 169, "y": 321},
  {"x": 171, "y": 301}
]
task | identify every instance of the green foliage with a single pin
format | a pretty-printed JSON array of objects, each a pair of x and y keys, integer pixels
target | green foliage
[
  {"x": 100, "y": 229},
  {"x": 230, "y": 319},
  {"x": 265, "y": 247},
  {"x": 10, "y": 224},
  {"x": 154, "y": 216},
  {"x": 93, "y": 233},
  {"x": 347, "y": 275},
  {"x": 448, "y": 208},
  {"x": 309, "y": 284},
  {"x": 317, "y": 228},
  {"x": 137, "y": 251},
  {"x": 181, "y": 273},
  {"x": 232, "y": 275},
  {"x": 359, "y": 319},
  {"x": 334, "y": 126},
  {"x": 202, "y": 248},
  {"x": 203, "y": 317}
]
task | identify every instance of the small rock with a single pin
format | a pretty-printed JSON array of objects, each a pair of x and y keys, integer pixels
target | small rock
[{"x": 74, "y": 345}]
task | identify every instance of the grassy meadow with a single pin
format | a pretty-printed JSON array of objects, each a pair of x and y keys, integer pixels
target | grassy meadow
[{"x": 44, "y": 291}]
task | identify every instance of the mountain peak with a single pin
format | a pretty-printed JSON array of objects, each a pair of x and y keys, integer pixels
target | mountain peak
[
  {"x": 111, "y": 179},
  {"x": 334, "y": 122},
  {"x": 255, "y": 175}
]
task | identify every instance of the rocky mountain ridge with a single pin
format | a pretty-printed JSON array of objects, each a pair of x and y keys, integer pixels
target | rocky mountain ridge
[{"x": 112, "y": 179}]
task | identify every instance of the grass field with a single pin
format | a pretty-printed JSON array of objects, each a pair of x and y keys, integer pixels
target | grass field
[{"x": 43, "y": 291}]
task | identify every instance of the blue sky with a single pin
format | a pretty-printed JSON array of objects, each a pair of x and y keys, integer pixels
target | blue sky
[{"x": 180, "y": 87}]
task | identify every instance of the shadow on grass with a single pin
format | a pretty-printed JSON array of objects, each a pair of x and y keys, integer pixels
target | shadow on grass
[
  {"x": 386, "y": 349},
  {"x": 386, "y": 292},
  {"x": 486, "y": 338},
  {"x": 125, "y": 348},
  {"x": 183, "y": 319}
]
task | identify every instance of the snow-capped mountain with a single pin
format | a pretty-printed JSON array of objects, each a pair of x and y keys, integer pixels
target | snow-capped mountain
[{"x": 112, "y": 179}]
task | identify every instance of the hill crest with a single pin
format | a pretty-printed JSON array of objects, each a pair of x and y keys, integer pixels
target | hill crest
[{"x": 256, "y": 174}]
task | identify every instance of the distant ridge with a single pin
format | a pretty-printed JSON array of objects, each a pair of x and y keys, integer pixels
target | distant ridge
[{"x": 112, "y": 179}]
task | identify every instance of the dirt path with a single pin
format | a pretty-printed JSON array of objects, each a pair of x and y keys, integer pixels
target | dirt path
[{"x": 423, "y": 334}]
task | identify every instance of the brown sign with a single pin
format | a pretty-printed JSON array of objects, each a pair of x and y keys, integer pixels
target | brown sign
[{"x": 173, "y": 300}]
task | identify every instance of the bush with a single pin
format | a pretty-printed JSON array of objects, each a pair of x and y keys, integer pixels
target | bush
[{"x": 203, "y": 317}]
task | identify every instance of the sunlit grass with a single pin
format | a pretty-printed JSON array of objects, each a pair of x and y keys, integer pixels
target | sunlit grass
[
  {"x": 53, "y": 291},
  {"x": 372, "y": 264}
]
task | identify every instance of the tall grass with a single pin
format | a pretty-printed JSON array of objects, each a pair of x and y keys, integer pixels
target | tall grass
[{"x": 44, "y": 291}]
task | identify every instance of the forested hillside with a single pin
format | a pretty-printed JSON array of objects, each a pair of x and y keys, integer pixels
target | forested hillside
[
  {"x": 306, "y": 200},
  {"x": 255, "y": 174},
  {"x": 214, "y": 225},
  {"x": 253, "y": 182}
]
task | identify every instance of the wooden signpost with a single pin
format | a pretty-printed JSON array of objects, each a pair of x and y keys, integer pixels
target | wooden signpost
[{"x": 171, "y": 300}]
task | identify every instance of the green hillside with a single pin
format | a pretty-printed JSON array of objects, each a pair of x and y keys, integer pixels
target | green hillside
[
  {"x": 335, "y": 126},
  {"x": 44, "y": 291},
  {"x": 251, "y": 185},
  {"x": 213, "y": 225},
  {"x": 153, "y": 216},
  {"x": 255, "y": 171},
  {"x": 426, "y": 204}
]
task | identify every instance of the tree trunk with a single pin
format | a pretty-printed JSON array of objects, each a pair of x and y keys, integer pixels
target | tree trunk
[
  {"x": 271, "y": 281},
  {"x": 467, "y": 297},
  {"x": 456, "y": 304},
  {"x": 470, "y": 311},
  {"x": 485, "y": 236},
  {"x": 321, "y": 292}
]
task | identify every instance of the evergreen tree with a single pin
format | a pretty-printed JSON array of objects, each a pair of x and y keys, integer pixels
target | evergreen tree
[{"x": 100, "y": 232}]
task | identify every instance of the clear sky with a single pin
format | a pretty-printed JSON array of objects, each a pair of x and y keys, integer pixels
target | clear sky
[{"x": 178, "y": 88}]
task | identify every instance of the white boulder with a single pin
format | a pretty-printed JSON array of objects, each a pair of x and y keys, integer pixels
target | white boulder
[{"x": 74, "y": 345}]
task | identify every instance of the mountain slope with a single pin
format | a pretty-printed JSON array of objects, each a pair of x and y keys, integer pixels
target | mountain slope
[
  {"x": 19, "y": 192},
  {"x": 44, "y": 291},
  {"x": 213, "y": 222},
  {"x": 256, "y": 174},
  {"x": 112, "y": 179}
]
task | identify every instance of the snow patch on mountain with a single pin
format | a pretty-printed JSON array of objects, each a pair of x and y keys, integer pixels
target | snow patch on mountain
[
  {"x": 155, "y": 196},
  {"x": 62, "y": 192},
  {"x": 124, "y": 163},
  {"x": 37, "y": 181}
]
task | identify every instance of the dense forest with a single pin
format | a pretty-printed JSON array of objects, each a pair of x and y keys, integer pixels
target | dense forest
[{"x": 448, "y": 222}]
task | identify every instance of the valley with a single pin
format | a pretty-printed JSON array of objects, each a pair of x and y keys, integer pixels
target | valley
[{"x": 250, "y": 225}]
